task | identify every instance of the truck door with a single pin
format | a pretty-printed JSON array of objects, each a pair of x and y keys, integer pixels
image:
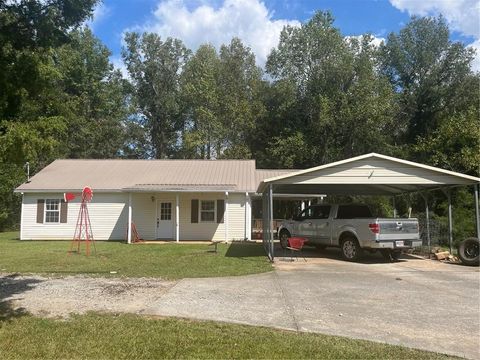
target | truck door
[
  {"x": 321, "y": 223},
  {"x": 305, "y": 224}
]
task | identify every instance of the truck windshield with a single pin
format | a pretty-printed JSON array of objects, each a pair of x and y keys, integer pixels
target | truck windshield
[{"x": 353, "y": 211}]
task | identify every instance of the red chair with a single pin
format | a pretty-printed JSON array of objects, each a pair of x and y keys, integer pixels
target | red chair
[{"x": 295, "y": 245}]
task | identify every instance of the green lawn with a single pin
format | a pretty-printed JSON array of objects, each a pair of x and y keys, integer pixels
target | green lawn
[
  {"x": 169, "y": 261},
  {"x": 134, "y": 337}
]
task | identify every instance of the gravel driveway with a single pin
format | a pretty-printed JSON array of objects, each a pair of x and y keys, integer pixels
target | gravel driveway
[{"x": 417, "y": 303}]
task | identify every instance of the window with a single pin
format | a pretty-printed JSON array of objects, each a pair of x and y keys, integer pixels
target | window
[
  {"x": 321, "y": 212},
  {"x": 207, "y": 211},
  {"x": 353, "y": 212},
  {"x": 166, "y": 211},
  {"x": 52, "y": 210}
]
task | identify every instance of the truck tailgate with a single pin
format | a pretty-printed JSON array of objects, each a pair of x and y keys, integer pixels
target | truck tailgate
[{"x": 391, "y": 229}]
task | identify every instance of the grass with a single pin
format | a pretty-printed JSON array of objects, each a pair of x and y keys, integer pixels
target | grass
[
  {"x": 134, "y": 337},
  {"x": 169, "y": 261}
]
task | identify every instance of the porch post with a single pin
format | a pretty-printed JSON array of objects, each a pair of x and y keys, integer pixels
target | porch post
[
  {"x": 248, "y": 217},
  {"x": 226, "y": 216},
  {"x": 177, "y": 219},
  {"x": 477, "y": 212},
  {"x": 129, "y": 232},
  {"x": 21, "y": 218}
]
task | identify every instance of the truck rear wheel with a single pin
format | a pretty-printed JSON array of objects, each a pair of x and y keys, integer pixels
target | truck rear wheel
[
  {"x": 468, "y": 251},
  {"x": 351, "y": 250},
  {"x": 283, "y": 237}
]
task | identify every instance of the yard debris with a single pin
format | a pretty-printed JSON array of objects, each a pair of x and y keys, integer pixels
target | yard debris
[
  {"x": 445, "y": 256},
  {"x": 442, "y": 255}
]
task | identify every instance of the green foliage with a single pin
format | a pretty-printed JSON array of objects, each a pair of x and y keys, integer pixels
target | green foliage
[
  {"x": 432, "y": 77},
  {"x": 155, "y": 67},
  {"x": 342, "y": 106},
  {"x": 59, "y": 95}
]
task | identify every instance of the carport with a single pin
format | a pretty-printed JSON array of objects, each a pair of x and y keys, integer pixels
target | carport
[{"x": 370, "y": 174}]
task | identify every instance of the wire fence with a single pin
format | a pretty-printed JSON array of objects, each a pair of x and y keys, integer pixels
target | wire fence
[{"x": 438, "y": 234}]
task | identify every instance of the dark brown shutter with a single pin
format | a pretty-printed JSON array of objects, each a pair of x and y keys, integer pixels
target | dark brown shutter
[
  {"x": 63, "y": 211},
  {"x": 194, "y": 217},
  {"x": 220, "y": 211},
  {"x": 40, "y": 210}
]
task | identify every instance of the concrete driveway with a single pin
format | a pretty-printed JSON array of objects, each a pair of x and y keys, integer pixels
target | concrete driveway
[{"x": 417, "y": 303}]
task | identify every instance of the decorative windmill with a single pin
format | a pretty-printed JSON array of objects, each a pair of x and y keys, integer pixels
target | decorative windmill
[{"x": 83, "y": 230}]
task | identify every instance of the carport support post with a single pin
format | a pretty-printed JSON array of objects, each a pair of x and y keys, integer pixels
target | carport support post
[
  {"x": 450, "y": 220},
  {"x": 270, "y": 220},
  {"x": 427, "y": 220},
  {"x": 394, "y": 207},
  {"x": 477, "y": 212}
]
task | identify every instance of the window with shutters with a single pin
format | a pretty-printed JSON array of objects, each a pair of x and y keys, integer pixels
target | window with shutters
[
  {"x": 52, "y": 211},
  {"x": 207, "y": 211}
]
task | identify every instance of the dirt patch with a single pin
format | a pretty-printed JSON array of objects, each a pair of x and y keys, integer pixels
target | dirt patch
[{"x": 59, "y": 297}]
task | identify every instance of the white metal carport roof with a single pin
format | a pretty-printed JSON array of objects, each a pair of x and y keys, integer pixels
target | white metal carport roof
[{"x": 369, "y": 174}]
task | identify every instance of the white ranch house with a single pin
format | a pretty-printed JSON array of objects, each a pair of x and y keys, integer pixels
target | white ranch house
[{"x": 165, "y": 199}]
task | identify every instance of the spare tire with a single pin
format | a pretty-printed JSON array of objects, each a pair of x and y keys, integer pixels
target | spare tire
[{"x": 468, "y": 251}]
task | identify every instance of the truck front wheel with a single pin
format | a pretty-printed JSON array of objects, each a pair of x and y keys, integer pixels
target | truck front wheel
[
  {"x": 284, "y": 235},
  {"x": 351, "y": 250}
]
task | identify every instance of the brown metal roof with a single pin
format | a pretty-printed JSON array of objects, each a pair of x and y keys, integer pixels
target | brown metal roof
[{"x": 142, "y": 175}]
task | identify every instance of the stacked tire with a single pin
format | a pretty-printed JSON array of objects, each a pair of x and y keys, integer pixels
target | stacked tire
[{"x": 468, "y": 251}]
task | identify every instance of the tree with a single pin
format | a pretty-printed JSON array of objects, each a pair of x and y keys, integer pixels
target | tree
[
  {"x": 155, "y": 67},
  {"x": 428, "y": 71},
  {"x": 240, "y": 83},
  {"x": 343, "y": 106},
  {"x": 94, "y": 98},
  {"x": 31, "y": 128},
  {"x": 28, "y": 29},
  {"x": 202, "y": 132}
]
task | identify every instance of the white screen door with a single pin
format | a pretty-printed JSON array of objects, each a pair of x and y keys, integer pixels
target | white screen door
[{"x": 165, "y": 219}]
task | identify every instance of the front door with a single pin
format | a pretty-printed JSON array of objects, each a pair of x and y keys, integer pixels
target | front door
[{"x": 165, "y": 219}]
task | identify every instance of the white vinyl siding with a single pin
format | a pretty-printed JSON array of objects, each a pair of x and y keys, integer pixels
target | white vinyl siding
[
  {"x": 144, "y": 214},
  {"x": 236, "y": 216},
  {"x": 108, "y": 215}
]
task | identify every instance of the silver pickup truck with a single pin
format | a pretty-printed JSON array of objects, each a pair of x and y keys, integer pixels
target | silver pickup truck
[{"x": 352, "y": 228}]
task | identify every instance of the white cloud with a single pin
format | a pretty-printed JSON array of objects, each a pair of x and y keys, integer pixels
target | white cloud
[
  {"x": 461, "y": 15},
  {"x": 100, "y": 13},
  {"x": 250, "y": 20}
]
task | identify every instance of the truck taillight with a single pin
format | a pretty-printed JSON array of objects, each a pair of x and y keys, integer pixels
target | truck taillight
[{"x": 375, "y": 228}]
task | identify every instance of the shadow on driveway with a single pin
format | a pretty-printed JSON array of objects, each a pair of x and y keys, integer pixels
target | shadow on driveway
[{"x": 11, "y": 285}]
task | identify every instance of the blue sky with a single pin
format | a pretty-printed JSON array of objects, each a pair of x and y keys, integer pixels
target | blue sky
[{"x": 258, "y": 23}]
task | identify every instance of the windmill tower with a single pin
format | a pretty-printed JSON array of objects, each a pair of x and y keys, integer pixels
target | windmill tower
[{"x": 83, "y": 230}]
